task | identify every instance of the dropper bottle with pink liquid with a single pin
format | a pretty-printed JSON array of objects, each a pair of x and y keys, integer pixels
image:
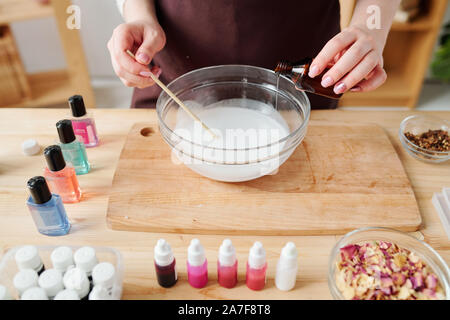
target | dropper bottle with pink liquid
[{"x": 197, "y": 265}]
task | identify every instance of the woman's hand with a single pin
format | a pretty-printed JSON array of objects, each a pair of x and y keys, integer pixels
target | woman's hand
[
  {"x": 144, "y": 39},
  {"x": 356, "y": 56}
]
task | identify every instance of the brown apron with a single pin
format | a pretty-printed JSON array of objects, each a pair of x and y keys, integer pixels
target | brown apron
[{"x": 202, "y": 33}]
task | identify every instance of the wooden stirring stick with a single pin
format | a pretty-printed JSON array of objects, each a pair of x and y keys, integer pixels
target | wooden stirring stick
[{"x": 175, "y": 98}]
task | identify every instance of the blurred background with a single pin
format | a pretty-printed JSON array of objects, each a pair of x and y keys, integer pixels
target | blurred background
[{"x": 42, "y": 62}]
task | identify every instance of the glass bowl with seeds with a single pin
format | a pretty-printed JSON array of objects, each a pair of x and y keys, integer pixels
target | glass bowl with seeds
[{"x": 426, "y": 138}]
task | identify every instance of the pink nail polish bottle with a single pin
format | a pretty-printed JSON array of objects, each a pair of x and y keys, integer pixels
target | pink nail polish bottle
[
  {"x": 197, "y": 265},
  {"x": 83, "y": 124},
  {"x": 256, "y": 267},
  {"x": 227, "y": 265}
]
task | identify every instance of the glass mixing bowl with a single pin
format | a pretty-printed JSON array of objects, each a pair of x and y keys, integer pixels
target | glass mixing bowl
[
  {"x": 402, "y": 239},
  {"x": 247, "y": 89}
]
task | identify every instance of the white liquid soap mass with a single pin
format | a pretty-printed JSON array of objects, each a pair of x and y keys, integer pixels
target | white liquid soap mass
[{"x": 246, "y": 145}]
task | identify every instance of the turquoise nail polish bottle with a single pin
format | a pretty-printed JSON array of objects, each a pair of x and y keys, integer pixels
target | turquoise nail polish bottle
[{"x": 73, "y": 151}]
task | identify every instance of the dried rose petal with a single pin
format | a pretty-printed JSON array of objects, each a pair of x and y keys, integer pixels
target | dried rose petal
[
  {"x": 348, "y": 252},
  {"x": 431, "y": 281},
  {"x": 398, "y": 278}
]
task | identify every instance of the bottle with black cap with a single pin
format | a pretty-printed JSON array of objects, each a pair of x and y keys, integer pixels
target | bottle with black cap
[
  {"x": 61, "y": 177},
  {"x": 46, "y": 208},
  {"x": 73, "y": 150},
  {"x": 83, "y": 123}
]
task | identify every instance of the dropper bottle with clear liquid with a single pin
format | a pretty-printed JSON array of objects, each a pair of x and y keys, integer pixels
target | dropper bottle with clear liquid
[{"x": 298, "y": 73}]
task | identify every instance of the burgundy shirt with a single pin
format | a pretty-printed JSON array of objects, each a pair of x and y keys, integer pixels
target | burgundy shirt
[{"x": 202, "y": 33}]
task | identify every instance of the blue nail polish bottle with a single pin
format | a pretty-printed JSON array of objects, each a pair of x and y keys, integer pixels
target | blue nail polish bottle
[
  {"x": 73, "y": 150},
  {"x": 46, "y": 209}
]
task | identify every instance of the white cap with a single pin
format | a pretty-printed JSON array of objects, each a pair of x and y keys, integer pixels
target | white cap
[
  {"x": 104, "y": 274},
  {"x": 99, "y": 293},
  {"x": 4, "y": 293},
  {"x": 27, "y": 257},
  {"x": 227, "y": 253},
  {"x": 163, "y": 253},
  {"x": 289, "y": 255},
  {"x": 85, "y": 259},
  {"x": 51, "y": 281},
  {"x": 77, "y": 280},
  {"x": 30, "y": 147},
  {"x": 25, "y": 279},
  {"x": 257, "y": 256},
  {"x": 34, "y": 293},
  {"x": 67, "y": 294},
  {"x": 196, "y": 253},
  {"x": 62, "y": 258}
]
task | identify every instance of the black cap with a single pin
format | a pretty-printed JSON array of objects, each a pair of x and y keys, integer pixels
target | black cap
[
  {"x": 65, "y": 131},
  {"x": 39, "y": 190},
  {"x": 77, "y": 106},
  {"x": 54, "y": 158}
]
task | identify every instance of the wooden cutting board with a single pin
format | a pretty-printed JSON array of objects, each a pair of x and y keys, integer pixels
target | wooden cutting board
[{"x": 342, "y": 177}]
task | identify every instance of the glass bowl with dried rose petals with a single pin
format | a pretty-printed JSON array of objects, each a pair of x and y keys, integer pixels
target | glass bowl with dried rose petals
[
  {"x": 386, "y": 264},
  {"x": 426, "y": 138}
]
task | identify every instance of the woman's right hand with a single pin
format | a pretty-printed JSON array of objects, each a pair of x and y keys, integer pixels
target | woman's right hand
[{"x": 142, "y": 38}]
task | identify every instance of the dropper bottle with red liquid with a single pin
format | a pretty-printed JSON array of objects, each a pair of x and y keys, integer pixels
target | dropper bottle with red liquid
[
  {"x": 256, "y": 267},
  {"x": 227, "y": 265},
  {"x": 298, "y": 73},
  {"x": 165, "y": 264}
]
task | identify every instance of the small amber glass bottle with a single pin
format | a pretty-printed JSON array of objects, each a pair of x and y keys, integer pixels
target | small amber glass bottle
[{"x": 298, "y": 73}]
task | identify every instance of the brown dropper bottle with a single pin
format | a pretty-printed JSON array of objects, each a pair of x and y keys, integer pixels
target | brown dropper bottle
[{"x": 298, "y": 73}]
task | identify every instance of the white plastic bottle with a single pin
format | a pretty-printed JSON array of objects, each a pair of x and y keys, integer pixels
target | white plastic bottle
[
  {"x": 76, "y": 279},
  {"x": 25, "y": 279},
  {"x": 62, "y": 259},
  {"x": 67, "y": 294},
  {"x": 287, "y": 266},
  {"x": 27, "y": 257},
  {"x": 99, "y": 293},
  {"x": 104, "y": 275},
  {"x": 85, "y": 258},
  {"x": 34, "y": 293},
  {"x": 51, "y": 281}
]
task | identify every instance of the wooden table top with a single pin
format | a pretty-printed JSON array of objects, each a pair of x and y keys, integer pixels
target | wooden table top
[{"x": 89, "y": 223}]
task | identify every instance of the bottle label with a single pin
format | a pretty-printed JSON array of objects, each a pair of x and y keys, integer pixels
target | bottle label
[{"x": 81, "y": 131}]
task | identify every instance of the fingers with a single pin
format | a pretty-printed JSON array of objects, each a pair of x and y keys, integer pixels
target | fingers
[
  {"x": 132, "y": 80},
  {"x": 359, "y": 72},
  {"x": 123, "y": 39},
  {"x": 333, "y": 47},
  {"x": 377, "y": 78},
  {"x": 152, "y": 43},
  {"x": 347, "y": 62},
  {"x": 130, "y": 71}
]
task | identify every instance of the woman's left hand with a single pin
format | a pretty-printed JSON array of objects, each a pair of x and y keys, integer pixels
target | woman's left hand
[{"x": 357, "y": 58}]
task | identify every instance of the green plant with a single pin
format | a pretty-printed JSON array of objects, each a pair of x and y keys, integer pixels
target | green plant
[{"x": 440, "y": 67}]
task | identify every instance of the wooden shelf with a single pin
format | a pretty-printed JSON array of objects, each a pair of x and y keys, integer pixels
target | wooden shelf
[
  {"x": 396, "y": 91},
  {"x": 421, "y": 23},
  {"x": 18, "y": 10},
  {"x": 47, "y": 88}
]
